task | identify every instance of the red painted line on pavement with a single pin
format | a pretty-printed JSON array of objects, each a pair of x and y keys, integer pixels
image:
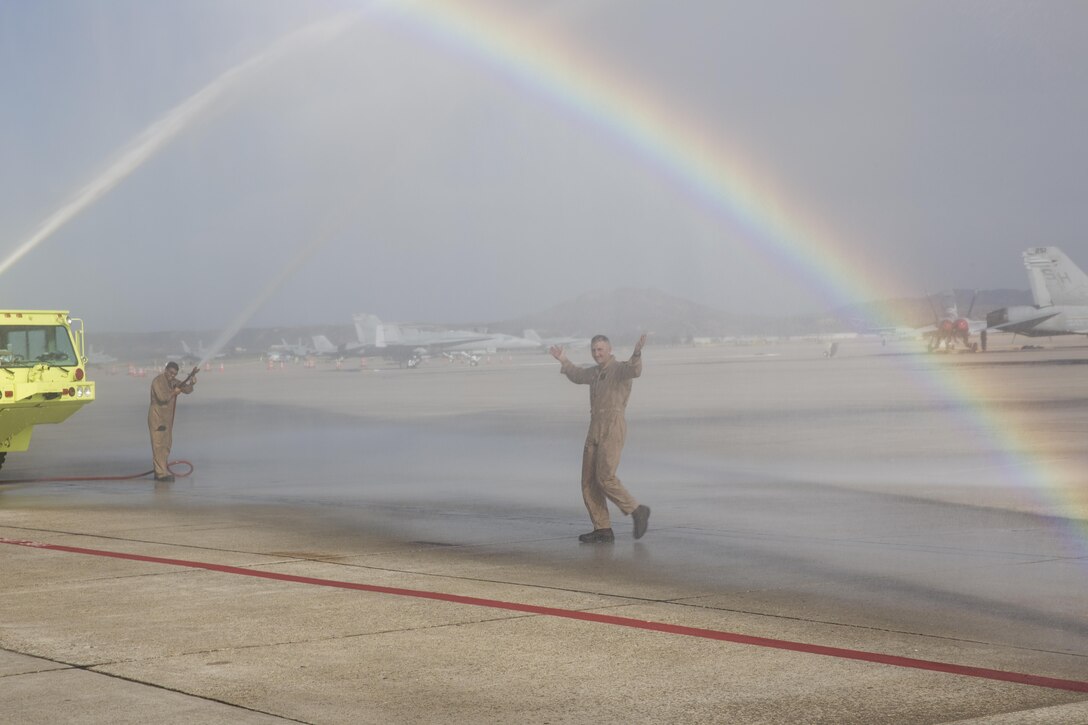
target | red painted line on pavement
[{"x": 850, "y": 654}]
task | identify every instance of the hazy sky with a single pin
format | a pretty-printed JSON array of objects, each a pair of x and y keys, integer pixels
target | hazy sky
[{"x": 932, "y": 142}]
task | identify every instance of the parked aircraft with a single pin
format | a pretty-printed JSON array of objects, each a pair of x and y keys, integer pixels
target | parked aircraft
[
  {"x": 496, "y": 342},
  {"x": 950, "y": 327},
  {"x": 547, "y": 343},
  {"x": 200, "y": 354},
  {"x": 407, "y": 346},
  {"x": 1059, "y": 289},
  {"x": 285, "y": 350},
  {"x": 325, "y": 347}
]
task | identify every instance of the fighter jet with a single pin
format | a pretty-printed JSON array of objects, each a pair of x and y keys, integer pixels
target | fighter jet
[
  {"x": 407, "y": 346},
  {"x": 950, "y": 328},
  {"x": 547, "y": 343},
  {"x": 495, "y": 342},
  {"x": 1059, "y": 289},
  {"x": 284, "y": 350},
  {"x": 324, "y": 347},
  {"x": 198, "y": 355}
]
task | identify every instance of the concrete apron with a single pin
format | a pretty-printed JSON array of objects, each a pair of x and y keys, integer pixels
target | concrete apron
[{"x": 97, "y": 639}]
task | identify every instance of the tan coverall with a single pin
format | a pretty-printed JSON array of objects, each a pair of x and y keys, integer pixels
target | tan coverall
[
  {"x": 160, "y": 420},
  {"x": 609, "y": 388}
]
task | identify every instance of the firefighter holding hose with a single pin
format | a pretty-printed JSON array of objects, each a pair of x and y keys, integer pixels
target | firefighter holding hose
[{"x": 165, "y": 389}]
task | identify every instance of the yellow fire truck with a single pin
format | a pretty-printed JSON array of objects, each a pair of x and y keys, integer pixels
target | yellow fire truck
[{"x": 42, "y": 373}]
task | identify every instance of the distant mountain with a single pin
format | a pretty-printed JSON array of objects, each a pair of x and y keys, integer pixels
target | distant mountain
[{"x": 624, "y": 314}]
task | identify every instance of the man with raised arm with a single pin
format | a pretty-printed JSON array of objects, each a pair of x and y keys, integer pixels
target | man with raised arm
[{"x": 609, "y": 384}]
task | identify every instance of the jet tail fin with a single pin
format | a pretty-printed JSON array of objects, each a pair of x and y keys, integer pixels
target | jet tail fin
[
  {"x": 532, "y": 335},
  {"x": 323, "y": 345},
  {"x": 1054, "y": 278},
  {"x": 367, "y": 328}
]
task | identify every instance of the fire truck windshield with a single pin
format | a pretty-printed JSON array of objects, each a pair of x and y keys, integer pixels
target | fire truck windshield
[{"x": 29, "y": 345}]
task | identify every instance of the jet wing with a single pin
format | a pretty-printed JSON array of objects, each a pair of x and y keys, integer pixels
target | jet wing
[{"x": 1026, "y": 327}]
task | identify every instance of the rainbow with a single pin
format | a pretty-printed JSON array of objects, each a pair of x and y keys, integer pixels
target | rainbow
[
  {"x": 721, "y": 180},
  {"x": 677, "y": 146}
]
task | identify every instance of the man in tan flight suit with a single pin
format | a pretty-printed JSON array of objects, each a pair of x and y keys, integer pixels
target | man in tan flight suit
[
  {"x": 165, "y": 389},
  {"x": 609, "y": 388}
]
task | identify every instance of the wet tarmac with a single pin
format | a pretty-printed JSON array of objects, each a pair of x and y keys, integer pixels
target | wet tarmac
[{"x": 922, "y": 518}]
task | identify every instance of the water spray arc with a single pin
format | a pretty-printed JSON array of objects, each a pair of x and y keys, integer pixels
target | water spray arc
[
  {"x": 295, "y": 263},
  {"x": 160, "y": 133}
]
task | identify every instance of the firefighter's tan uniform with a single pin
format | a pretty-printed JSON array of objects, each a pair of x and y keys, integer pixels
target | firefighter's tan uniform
[
  {"x": 160, "y": 420},
  {"x": 609, "y": 388}
]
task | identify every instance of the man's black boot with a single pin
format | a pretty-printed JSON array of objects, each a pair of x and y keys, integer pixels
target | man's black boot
[
  {"x": 598, "y": 536},
  {"x": 641, "y": 515}
]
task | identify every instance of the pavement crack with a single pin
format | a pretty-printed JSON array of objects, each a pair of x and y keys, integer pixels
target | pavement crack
[{"x": 93, "y": 668}]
